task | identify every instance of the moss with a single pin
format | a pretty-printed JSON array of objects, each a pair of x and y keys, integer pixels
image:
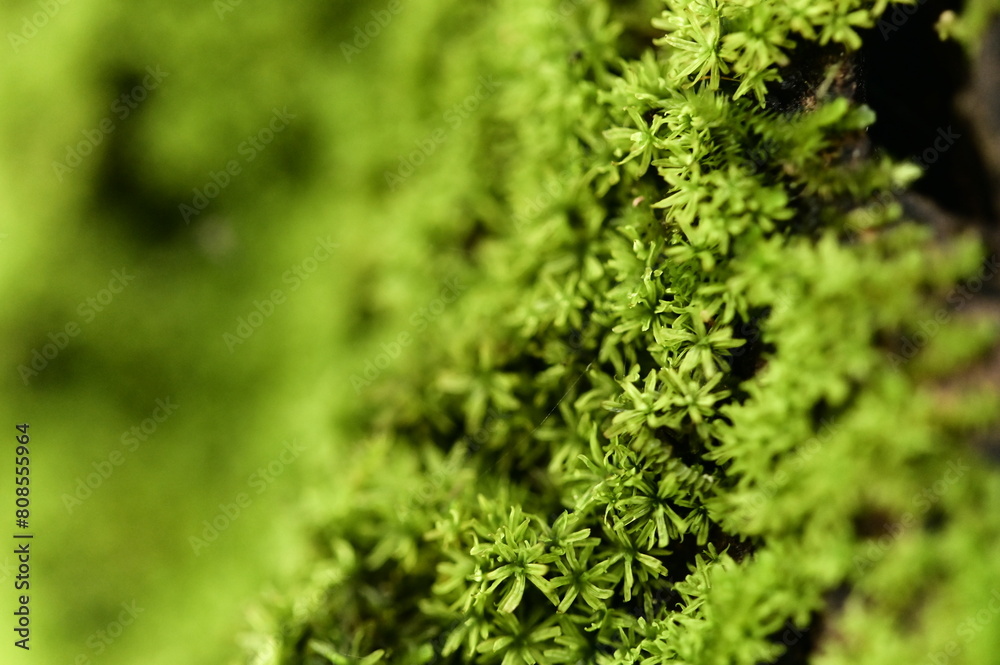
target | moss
[{"x": 693, "y": 405}]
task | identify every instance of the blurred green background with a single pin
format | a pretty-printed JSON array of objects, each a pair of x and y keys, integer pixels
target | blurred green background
[{"x": 98, "y": 154}]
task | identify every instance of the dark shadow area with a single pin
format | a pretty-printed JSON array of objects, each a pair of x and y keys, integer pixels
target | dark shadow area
[
  {"x": 122, "y": 190},
  {"x": 911, "y": 78},
  {"x": 799, "y": 642}
]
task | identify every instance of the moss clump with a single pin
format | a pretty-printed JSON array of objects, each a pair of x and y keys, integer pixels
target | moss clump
[{"x": 697, "y": 403}]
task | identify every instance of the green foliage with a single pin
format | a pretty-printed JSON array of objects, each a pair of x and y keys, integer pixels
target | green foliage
[{"x": 655, "y": 426}]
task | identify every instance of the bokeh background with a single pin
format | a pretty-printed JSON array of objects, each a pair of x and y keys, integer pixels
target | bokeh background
[{"x": 114, "y": 114}]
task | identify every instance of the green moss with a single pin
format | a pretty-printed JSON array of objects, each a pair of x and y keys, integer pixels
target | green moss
[{"x": 669, "y": 419}]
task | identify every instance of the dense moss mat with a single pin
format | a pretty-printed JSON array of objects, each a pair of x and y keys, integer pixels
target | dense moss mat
[{"x": 706, "y": 393}]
